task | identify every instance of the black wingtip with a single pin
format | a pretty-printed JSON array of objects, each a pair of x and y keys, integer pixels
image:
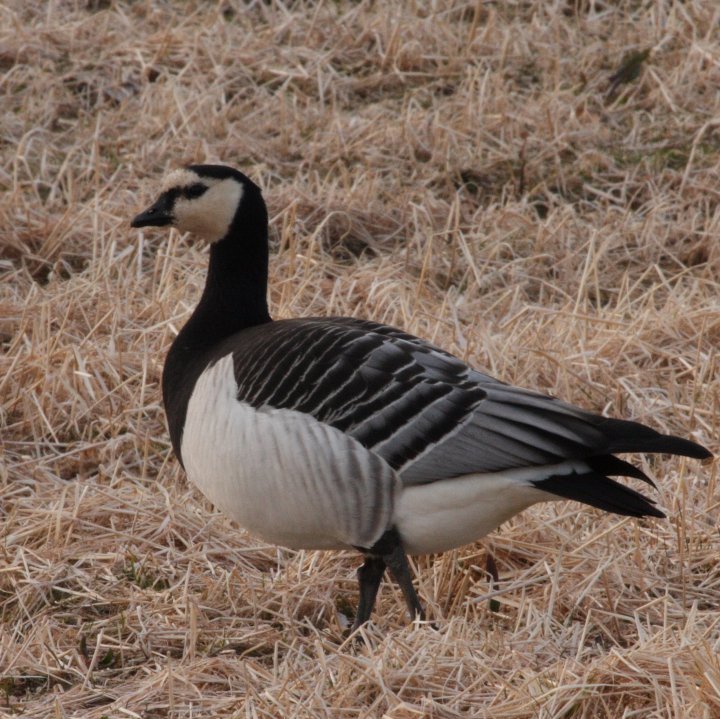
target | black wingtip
[
  {"x": 683, "y": 447},
  {"x": 626, "y": 436}
]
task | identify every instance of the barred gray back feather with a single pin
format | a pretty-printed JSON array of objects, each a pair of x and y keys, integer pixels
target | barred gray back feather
[{"x": 425, "y": 412}]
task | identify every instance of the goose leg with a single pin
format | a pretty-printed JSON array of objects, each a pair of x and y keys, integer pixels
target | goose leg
[
  {"x": 386, "y": 552},
  {"x": 370, "y": 575},
  {"x": 390, "y": 551},
  {"x": 399, "y": 567}
]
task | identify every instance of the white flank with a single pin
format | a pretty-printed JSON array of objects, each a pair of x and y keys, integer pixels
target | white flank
[
  {"x": 449, "y": 513},
  {"x": 281, "y": 474}
]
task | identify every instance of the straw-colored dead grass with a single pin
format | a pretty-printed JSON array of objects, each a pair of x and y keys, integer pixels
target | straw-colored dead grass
[{"x": 463, "y": 170}]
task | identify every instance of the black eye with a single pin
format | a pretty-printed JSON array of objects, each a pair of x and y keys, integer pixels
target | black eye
[{"x": 195, "y": 190}]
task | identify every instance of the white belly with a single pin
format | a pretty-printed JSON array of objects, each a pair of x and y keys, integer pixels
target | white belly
[
  {"x": 442, "y": 515},
  {"x": 281, "y": 474}
]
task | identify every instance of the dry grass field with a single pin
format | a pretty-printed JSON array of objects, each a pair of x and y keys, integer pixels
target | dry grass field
[{"x": 508, "y": 179}]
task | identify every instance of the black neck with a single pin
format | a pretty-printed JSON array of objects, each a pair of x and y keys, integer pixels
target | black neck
[
  {"x": 234, "y": 298},
  {"x": 235, "y": 294}
]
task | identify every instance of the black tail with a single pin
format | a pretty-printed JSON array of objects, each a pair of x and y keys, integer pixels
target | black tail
[{"x": 598, "y": 490}]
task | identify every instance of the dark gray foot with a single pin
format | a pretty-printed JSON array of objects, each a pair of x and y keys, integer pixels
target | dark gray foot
[
  {"x": 388, "y": 553},
  {"x": 370, "y": 575}
]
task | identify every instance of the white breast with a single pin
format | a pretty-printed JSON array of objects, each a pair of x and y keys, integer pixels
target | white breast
[{"x": 281, "y": 474}]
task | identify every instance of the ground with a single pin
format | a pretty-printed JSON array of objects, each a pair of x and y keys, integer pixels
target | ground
[{"x": 532, "y": 185}]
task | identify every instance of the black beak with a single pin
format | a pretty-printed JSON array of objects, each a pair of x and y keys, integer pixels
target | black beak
[{"x": 158, "y": 215}]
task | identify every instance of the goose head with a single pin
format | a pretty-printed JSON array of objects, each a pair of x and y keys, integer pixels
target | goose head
[{"x": 206, "y": 200}]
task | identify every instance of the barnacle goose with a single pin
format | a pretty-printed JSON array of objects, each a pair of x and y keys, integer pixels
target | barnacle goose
[{"x": 334, "y": 432}]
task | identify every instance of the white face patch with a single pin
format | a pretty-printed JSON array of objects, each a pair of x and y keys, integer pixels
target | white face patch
[
  {"x": 209, "y": 215},
  {"x": 180, "y": 178}
]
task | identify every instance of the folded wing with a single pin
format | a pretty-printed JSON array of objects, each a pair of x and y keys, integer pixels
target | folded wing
[{"x": 431, "y": 417}]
